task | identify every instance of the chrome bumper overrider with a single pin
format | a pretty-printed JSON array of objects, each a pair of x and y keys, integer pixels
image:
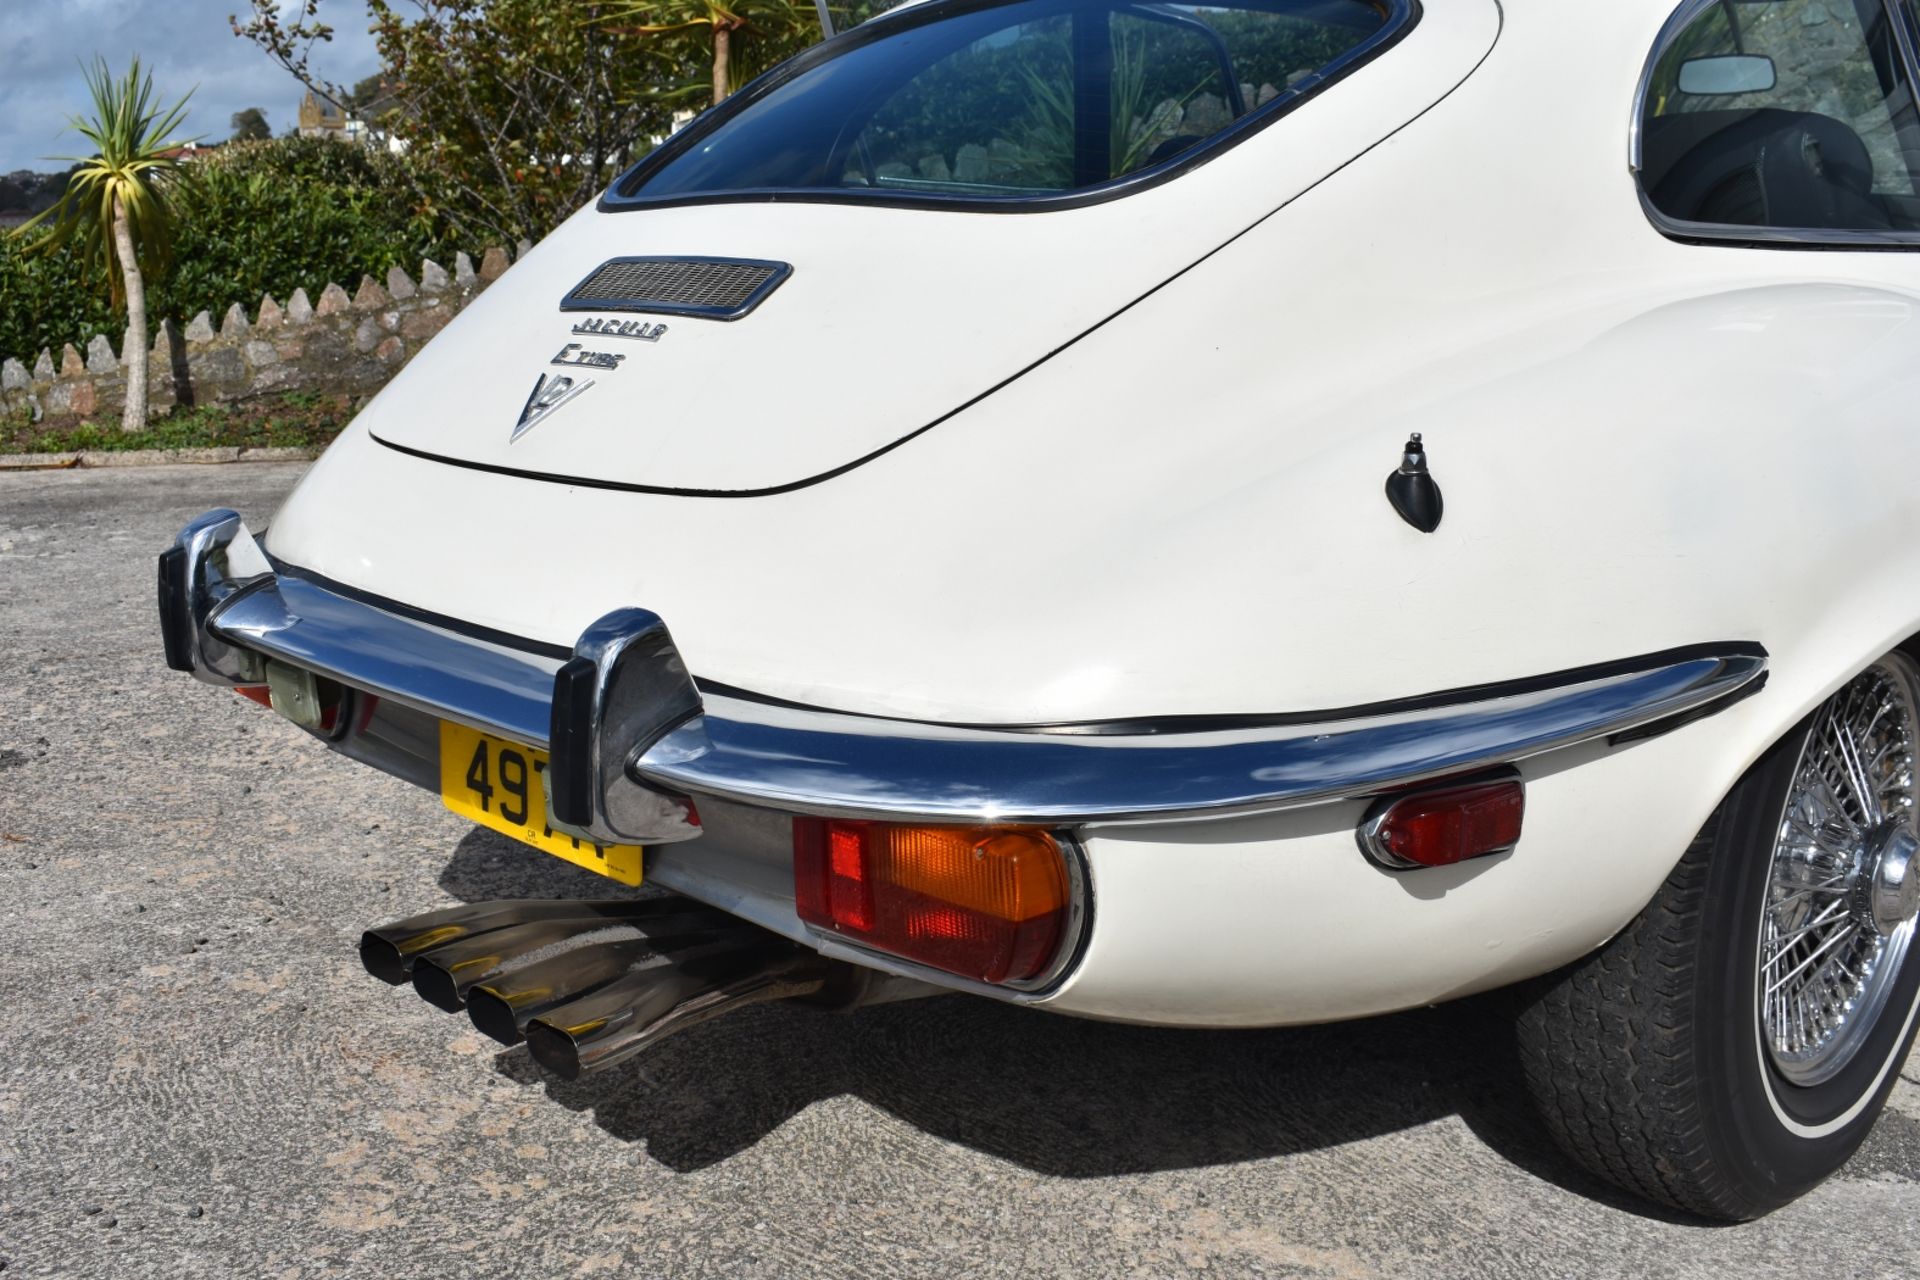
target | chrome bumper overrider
[{"x": 631, "y": 734}]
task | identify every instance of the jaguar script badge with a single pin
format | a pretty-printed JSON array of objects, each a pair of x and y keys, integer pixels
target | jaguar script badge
[{"x": 549, "y": 394}]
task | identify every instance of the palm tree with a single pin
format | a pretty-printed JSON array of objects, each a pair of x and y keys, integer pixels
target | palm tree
[
  {"x": 782, "y": 27},
  {"x": 115, "y": 205}
]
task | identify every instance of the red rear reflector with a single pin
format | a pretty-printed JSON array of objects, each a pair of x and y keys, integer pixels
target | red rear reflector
[
  {"x": 1444, "y": 825},
  {"x": 983, "y": 902},
  {"x": 255, "y": 693}
]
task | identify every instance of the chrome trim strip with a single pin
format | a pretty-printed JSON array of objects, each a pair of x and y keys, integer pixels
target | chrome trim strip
[
  {"x": 1676, "y": 22},
  {"x": 805, "y": 760},
  {"x": 498, "y": 690},
  {"x": 847, "y": 766}
]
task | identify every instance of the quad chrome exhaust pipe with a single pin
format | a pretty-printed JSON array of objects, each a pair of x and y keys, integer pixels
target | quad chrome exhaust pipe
[
  {"x": 589, "y": 984},
  {"x": 633, "y": 1013}
]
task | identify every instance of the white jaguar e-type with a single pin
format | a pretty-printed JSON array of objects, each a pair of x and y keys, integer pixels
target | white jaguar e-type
[{"x": 1223, "y": 512}]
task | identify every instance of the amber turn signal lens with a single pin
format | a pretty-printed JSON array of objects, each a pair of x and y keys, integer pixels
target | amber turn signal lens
[
  {"x": 1440, "y": 826},
  {"x": 989, "y": 903}
]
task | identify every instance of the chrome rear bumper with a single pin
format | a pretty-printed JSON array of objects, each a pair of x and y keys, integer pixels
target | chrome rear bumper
[{"x": 632, "y": 735}]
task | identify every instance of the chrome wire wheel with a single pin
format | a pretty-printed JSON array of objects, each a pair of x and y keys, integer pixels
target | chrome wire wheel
[{"x": 1838, "y": 914}]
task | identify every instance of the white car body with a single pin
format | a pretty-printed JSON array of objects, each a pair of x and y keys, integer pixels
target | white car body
[{"x": 1123, "y": 461}]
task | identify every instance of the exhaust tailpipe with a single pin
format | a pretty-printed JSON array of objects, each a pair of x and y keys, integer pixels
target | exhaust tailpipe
[
  {"x": 389, "y": 952},
  {"x": 637, "y": 1011},
  {"x": 443, "y": 975},
  {"x": 588, "y": 984},
  {"x": 502, "y": 1006}
]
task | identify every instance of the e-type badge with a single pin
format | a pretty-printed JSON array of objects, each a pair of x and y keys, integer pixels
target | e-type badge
[{"x": 552, "y": 391}]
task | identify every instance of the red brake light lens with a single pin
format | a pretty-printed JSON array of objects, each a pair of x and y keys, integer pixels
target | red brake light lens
[
  {"x": 1444, "y": 825},
  {"x": 989, "y": 903}
]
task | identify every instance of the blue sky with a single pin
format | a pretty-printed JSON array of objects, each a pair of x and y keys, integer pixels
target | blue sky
[{"x": 185, "y": 42}]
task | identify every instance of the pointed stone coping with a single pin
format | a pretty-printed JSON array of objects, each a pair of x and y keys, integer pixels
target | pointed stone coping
[
  {"x": 13, "y": 376},
  {"x": 298, "y": 309},
  {"x": 333, "y": 300},
  {"x": 100, "y": 357},
  {"x": 71, "y": 365}
]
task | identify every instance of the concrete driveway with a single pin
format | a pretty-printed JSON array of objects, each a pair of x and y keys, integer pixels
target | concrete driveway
[{"x": 197, "y": 1079}]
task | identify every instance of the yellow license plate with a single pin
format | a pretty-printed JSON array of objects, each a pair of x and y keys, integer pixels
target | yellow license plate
[{"x": 502, "y": 785}]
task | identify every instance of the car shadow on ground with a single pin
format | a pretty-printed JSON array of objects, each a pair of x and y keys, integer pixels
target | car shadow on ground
[{"x": 1059, "y": 1096}]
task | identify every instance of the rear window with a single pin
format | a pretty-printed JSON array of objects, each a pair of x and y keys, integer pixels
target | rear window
[
  {"x": 1012, "y": 102},
  {"x": 1783, "y": 119}
]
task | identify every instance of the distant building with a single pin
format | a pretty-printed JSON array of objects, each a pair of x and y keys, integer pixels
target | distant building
[
  {"x": 322, "y": 119},
  {"x": 190, "y": 151}
]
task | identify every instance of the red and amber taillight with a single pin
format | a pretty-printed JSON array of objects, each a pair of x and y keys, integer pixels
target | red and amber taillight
[
  {"x": 1441, "y": 825},
  {"x": 989, "y": 903}
]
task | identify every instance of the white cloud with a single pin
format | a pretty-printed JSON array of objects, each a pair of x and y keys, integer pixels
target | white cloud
[{"x": 186, "y": 43}]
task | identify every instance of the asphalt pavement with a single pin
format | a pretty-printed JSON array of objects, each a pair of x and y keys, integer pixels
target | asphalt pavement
[{"x": 198, "y": 1080}]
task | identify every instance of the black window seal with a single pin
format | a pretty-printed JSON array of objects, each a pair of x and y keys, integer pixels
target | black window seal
[
  {"x": 1729, "y": 235},
  {"x": 621, "y": 197}
]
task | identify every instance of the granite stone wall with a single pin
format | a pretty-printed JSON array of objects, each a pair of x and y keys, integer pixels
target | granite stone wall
[{"x": 337, "y": 344}]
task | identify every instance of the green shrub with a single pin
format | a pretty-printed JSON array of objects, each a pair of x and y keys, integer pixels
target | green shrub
[
  {"x": 292, "y": 213},
  {"x": 253, "y": 218},
  {"x": 46, "y": 301}
]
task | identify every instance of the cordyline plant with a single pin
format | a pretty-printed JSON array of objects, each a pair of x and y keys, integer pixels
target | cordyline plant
[
  {"x": 511, "y": 114},
  {"x": 116, "y": 206}
]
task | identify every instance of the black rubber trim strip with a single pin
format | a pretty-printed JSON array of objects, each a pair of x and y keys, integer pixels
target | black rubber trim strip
[
  {"x": 1147, "y": 726},
  {"x": 175, "y": 624},
  {"x": 590, "y": 482},
  {"x": 617, "y": 200},
  {"x": 1726, "y": 235},
  {"x": 1132, "y": 725},
  {"x": 569, "y": 746},
  {"x": 1658, "y": 728}
]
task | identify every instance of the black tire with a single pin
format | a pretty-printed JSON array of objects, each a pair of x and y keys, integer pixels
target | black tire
[{"x": 1645, "y": 1059}]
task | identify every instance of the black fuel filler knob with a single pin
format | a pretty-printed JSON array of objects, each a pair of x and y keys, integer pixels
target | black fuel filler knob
[{"x": 1412, "y": 489}]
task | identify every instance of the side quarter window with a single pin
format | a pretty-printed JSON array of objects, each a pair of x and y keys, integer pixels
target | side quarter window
[{"x": 1788, "y": 115}]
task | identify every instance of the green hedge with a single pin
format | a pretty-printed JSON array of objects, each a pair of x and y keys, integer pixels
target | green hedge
[
  {"x": 44, "y": 302},
  {"x": 253, "y": 218}
]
